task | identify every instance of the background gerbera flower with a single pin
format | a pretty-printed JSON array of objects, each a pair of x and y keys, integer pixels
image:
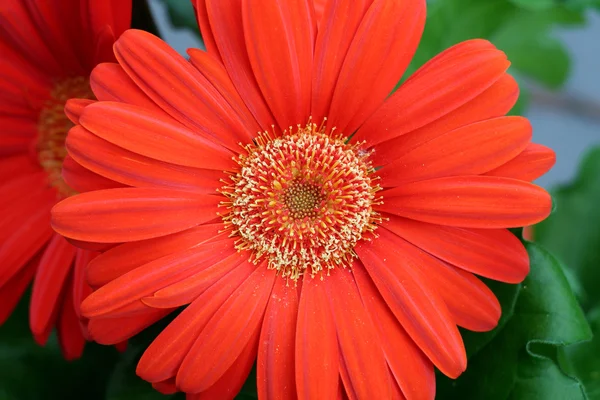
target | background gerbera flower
[
  {"x": 343, "y": 266},
  {"x": 48, "y": 49}
]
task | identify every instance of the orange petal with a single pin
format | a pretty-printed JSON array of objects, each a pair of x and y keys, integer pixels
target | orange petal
[
  {"x": 227, "y": 333},
  {"x": 153, "y": 135},
  {"x": 125, "y": 167},
  {"x": 129, "y": 214},
  {"x": 470, "y": 150},
  {"x": 275, "y": 375},
  {"x": 205, "y": 30},
  {"x": 339, "y": 23},
  {"x": 410, "y": 367},
  {"x": 149, "y": 278},
  {"x": 359, "y": 341},
  {"x": 164, "y": 356},
  {"x": 227, "y": 27},
  {"x": 442, "y": 85},
  {"x": 393, "y": 265},
  {"x": 74, "y": 108},
  {"x": 81, "y": 289},
  {"x": 317, "y": 349},
  {"x": 381, "y": 49},
  {"x": 280, "y": 37},
  {"x": 123, "y": 258},
  {"x": 182, "y": 91},
  {"x": 493, "y": 253},
  {"x": 115, "y": 330},
  {"x": 532, "y": 163},
  {"x": 470, "y": 202}
]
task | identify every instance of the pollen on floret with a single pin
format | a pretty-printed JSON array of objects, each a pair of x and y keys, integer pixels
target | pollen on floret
[
  {"x": 53, "y": 126},
  {"x": 302, "y": 200}
]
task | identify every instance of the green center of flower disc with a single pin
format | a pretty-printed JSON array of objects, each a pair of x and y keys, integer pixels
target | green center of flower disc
[{"x": 302, "y": 200}]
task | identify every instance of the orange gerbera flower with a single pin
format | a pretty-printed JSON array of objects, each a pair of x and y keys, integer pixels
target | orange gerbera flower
[
  {"x": 48, "y": 50},
  {"x": 306, "y": 218}
]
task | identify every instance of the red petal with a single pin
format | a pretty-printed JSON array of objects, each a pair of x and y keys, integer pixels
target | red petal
[
  {"x": 470, "y": 150},
  {"x": 120, "y": 165},
  {"x": 154, "y": 135},
  {"x": 74, "y": 108},
  {"x": 442, "y": 85},
  {"x": 164, "y": 356},
  {"x": 109, "y": 82},
  {"x": 129, "y": 214},
  {"x": 205, "y": 30},
  {"x": 275, "y": 374},
  {"x": 149, "y": 278},
  {"x": 493, "y": 253},
  {"x": 382, "y": 48},
  {"x": 280, "y": 38},
  {"x": 224, "y": 337},
  {"x": 82, "y": 180},
  {"x": 188, "y": 289},
  {"x": 359, "y": 342},
  {"x": 532, "y": 163},
  {"x": 81, "y": 289},
  {"x": 166, "y": 387},
  {"x": 470, "y": 201},
  {"x": 115, "y": 330},
  {"x": 13, "y": 289},
  {"x": 232, "y": 381},
  {"x": 55, "y": 266},
  {"x": 70, "y": 336},
  {"x": 16, "y": 166},
  {"x": 225, "y": 18},
  {"x": 392, "y": 263},
  {"x": 126, "y": 257},
  {"x": 317, "y": 349},
  {"x": 411, "y": 369},
  {"x": 493, "y": 102},
  {"x": 340, "y": 20},
  {"x": 182, "y": 91}
]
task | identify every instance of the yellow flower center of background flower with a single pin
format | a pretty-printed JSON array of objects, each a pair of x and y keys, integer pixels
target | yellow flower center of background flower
[
  {"x": 302, "y": 200},
  {"x": 53, "y": 126}
]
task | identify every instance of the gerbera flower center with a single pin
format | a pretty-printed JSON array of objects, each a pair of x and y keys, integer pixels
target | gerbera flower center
[
  {"x": 303, "y": 200},
  {"x": 53, "y": 126}
]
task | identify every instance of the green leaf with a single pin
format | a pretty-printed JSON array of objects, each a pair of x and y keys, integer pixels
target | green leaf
[
  {"x": 519, "y": 359},
  {"x": 572, "y": 232},
  {"x": 182, "y": 15}
]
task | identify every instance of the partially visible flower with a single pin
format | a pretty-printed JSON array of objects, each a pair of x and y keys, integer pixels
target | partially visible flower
[
  {"x": 47, "y": 51},
  {"x": 306, "y": 219}
]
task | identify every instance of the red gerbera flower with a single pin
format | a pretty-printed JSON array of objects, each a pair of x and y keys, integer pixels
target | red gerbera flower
[
  {"x": 340, "y": 242},
  {"x": 48, "y": 49}
]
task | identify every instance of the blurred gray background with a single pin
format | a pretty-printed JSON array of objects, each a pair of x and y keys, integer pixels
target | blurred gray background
[{"x": 567, "y": 121}]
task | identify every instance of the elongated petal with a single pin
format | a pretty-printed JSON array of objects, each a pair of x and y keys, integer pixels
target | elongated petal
[
  {"x": 152, "y": 135},
  {"x": 13, "y": 289},
  {"x": 442, "y": 85},
  {"x": 393, "y": 265},
  {"x": 128, "y": 168},
  {"x": 126, "y": 257},
  {"x": 149, "y": 278},
  {"x": 532, "y": 163},
  {"x": 129, "y": 214},
  {"x": 275, "y": 373},
  {"x": 81, "y": 289},
  {"x": 470, "y": 150},
  {"x": 381, "y": 50},
  {"x": 82, "y": 179},
  {"x": 55, "y": 266},
  {"x": 493, "y": 253},
  {"x": 226, "y": 23},
  {"x": 110, "y": 331},
  {"x": 70, "y": 336},
  {"x": 317, "y": 349},
  {"x": 280, "y": 38},
  {"x": 182, "y": 91},
  {"x": 74, "y": 108},
  {"x": 359, "y": 341},
  {"x": 109, "y": 82},
  {"x": 15, "y": 166},
  {"x": 335, "y": 34},
  {"x": 222, "y": 340},
  {"x": 470, "y": 202},
  {"x": 166, "y": 353},
  {"x": 411, "y": 369}
]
